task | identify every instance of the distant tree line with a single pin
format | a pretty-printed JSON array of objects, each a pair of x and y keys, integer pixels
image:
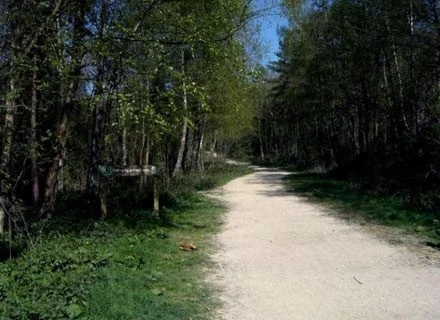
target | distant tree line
[
  {"x": 119, "y": 82},
  {"x": 357, "y": 89}
]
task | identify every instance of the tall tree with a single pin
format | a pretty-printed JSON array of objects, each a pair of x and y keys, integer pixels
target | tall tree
[{"x": 353, "y": 90}]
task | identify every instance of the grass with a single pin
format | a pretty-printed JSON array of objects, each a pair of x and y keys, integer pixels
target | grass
[
  {"x": 216, "y": 174},
  {"x": 354, "y": 204},
  {"x": 128, "y": 267},
  {"x": 151, "y": 278}
]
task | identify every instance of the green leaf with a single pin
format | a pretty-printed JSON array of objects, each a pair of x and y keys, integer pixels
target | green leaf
[
  {"x": 74, "y": 311},
  {"x": 157, "y": 291}
]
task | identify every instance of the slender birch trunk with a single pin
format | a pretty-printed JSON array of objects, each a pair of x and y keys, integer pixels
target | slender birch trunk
[
  {"x": 200, "y": 156},
  {"x": 401, "y": 112},
  {"x": 124, "y": 148},
  {"x": 184, "y": 132}
]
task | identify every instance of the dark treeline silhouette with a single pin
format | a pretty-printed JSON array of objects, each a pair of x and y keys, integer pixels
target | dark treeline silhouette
[{"x": 357, "y": 89}]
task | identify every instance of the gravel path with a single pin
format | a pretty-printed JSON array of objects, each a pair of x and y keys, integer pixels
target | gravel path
[{"x": 280, "y": 257}]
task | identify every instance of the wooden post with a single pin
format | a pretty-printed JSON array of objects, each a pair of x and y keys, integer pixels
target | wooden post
[
  {"x": 156, "y": 186},
  {"x": 103, "y": 205},
  {"x": 131, "y": 171},
  {"x": 3, "y": 205}
]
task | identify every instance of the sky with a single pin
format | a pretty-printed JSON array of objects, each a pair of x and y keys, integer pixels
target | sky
[{"x": 269, "y": 25}]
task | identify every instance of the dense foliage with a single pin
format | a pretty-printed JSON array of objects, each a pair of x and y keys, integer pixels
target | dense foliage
[
  {"x": 115, "y": 82},
  {"x": 86, "y": 83},
  {"x": 357, "y": 89},
  {"x": 127, "y": 267}
]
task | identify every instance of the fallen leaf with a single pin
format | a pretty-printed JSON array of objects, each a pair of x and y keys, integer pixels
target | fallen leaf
[{"x": 188, "y": 246}]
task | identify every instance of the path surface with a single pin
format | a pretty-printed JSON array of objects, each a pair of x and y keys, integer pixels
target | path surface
[{"x": 280, "y": 257}]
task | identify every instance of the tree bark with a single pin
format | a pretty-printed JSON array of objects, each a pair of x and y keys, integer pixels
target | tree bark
[
  {"x": 141, "y": 155},
  {"x": 200, "y": 155},
  {"x": 2, "y": 212},
  {"x": 184, "y": 132},
  {"x": 400, "y": 103},
  {"x": 9, "y": 125},
  {"x": 94, "y": 190},
  {"x": 94, "y": 150},
  {"x": 5, "y": 156},
  {"x": 144, "y": 159},
  {"x": 260, "y": 138},
  {"x": 124, "y": 148},
  {"x": 33, "y": 142},
  {"x": 49, "y": 198}
]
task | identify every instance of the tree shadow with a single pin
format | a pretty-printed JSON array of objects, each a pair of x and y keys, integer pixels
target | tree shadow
[{"x": 352, "y": 203}]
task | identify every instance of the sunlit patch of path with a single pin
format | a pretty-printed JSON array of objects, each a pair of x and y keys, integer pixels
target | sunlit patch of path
[{"x": 280, "y": 257}]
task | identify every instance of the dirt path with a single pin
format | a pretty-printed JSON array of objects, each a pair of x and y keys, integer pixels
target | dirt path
[{"x": 280, "y": 257}]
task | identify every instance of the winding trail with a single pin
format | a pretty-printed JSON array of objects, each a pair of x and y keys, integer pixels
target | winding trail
[{"x": 280, "y": 257}]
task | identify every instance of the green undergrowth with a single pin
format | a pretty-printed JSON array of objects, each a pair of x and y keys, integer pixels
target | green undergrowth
[
  {"x": 128, "y": 267},
  {"x": 216, "y": 174},
  {"x": 352, "y": 203}
]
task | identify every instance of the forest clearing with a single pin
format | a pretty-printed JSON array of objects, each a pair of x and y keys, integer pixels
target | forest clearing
[{"x": 115, "y": 115}]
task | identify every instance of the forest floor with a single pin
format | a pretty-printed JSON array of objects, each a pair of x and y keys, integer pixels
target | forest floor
[
  {"x": 280, "y": 256},
  {"x": 130, "y": 266}
]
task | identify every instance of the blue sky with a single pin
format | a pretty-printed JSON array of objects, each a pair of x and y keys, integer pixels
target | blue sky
[{"x": 269, "y": 25}]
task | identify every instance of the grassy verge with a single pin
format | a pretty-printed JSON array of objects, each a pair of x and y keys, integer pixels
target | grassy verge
[
  {"x": 150, "y": 278},
  {"x": 216, "y": 174},
  {"x": 128, "y": 267},
  {"x": 354, "y": 204}
]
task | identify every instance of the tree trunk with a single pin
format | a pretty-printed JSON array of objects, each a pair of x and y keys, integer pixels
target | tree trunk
[
  {"x": 60, "y": 177},
  {"x": 260, "y": 137},
  {"x": 124, "y": 149},
  {"x": 33, "y": 143},
  {"x": 213, "y": 144},
  {"x": 9, "y": 125},
  {"x": 141, "y": 155},
  {"x": 417, "y": 108},
  {"x": 5, "y": 156},
  {"x": 52, "y": 177},
  {"x": 92, "y": 173},
  {"x": 53, "y": 174},
  {"x": 200, "y": 159},
  {"x": 144, "y": 159},
  {"x": 400, "y": 103},
  {"x": 94, "y": 190},
  {"x": 189, "y": 156},
  {"x": 2, "y": 212},
  {"x": 144, "y": 153},
  {"x": 184, "y": 132}
]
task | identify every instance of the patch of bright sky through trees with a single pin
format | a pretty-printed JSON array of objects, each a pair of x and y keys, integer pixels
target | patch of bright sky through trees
[{"x": 269, "y": 21}]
